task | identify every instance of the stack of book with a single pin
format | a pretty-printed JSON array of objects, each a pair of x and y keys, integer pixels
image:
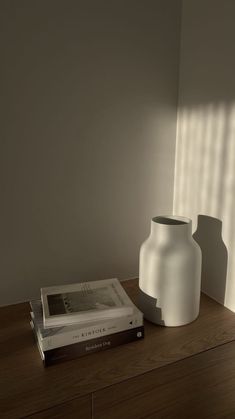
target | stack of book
[{"x": 73, "y": 320}]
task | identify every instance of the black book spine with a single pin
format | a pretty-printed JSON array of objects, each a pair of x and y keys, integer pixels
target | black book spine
[{"x": 76, "y": 350}]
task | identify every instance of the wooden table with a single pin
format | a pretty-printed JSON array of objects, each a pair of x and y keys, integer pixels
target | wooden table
[{"x": 185, "y": 372}]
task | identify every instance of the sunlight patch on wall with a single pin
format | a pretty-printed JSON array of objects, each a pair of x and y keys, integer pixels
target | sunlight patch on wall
[
  {"x": 205, "y": 173},
  {"x": 227, "y": 207}
]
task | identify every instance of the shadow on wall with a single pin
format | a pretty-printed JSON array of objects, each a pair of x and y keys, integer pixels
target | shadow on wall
[
  {"x": 205, "y": 184},
  {"x": 214, "y": 257}
]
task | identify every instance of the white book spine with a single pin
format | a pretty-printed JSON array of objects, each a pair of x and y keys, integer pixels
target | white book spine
[{"x": 90, "y": 332}]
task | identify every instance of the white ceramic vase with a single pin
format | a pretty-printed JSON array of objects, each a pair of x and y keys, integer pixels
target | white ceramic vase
[{"x": 170, "y": 272}]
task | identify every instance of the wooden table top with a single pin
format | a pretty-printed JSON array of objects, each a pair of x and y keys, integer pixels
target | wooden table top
[{"x": 26, "y": 386}]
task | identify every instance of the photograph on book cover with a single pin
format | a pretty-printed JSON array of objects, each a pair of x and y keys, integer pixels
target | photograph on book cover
[{"x": 83, "y": 300}]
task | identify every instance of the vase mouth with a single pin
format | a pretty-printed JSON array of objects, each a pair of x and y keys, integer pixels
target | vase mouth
[{"x": 173, "y": 220}]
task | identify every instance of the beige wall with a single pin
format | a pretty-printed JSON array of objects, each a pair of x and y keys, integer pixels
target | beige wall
[
  {"x": 205, "y": 157},
  {"x": 88, "y": 119}
]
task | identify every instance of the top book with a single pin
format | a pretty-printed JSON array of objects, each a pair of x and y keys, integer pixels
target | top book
[{"x": 84, "y": 302}]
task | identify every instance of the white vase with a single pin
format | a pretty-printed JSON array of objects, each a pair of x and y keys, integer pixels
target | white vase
[{"x": 170, "y": 272}]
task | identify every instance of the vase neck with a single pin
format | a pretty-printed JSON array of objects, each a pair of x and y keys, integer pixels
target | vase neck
[{"x": 171, "y": 227}]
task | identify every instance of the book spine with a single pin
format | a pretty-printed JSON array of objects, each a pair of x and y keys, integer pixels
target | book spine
[
  {"x": 36, "y": 340},
  {"x": 76, "y": 350},
  {"x": 91, "y": 332}
]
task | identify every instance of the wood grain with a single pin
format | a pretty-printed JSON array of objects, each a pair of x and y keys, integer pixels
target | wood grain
[
  {"x": 78, "y": 408},
  {"x": 27, "y": 387},
  {"x": 201, "y": 386}
]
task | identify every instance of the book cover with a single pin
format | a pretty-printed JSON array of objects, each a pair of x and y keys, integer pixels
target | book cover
[
  {"x": 83, "y": 302},
  {"x": 76, "y": 350},
  {"x": 66, "y": 335}
]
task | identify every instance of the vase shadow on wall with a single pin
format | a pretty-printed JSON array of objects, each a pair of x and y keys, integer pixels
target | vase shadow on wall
[{"x": 214, "y": 257}]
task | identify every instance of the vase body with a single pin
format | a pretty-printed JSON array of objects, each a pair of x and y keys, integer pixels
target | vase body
[{"x": 170, "y": 272}]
